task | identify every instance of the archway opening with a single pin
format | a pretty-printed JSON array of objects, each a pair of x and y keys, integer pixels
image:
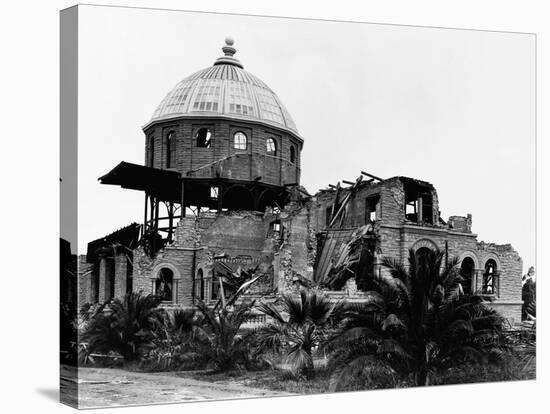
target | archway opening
[
  {"x": 467, "y": 268},
  {"x": 238, "y": 198},
  {"x": 164, "y": 284},
  {"x": 423, "y": 255},
  {"x": 267, "y": 199}
]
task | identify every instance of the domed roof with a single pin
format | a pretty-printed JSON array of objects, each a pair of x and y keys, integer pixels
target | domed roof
[{"x": 225, "y": 89}]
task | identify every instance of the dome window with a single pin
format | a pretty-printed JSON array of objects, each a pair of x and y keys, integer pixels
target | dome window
[
  {"x": 271, "y": 146},
  {"x": 292, "y": 154},
  {"x": 204, "y": 138},
  {"x": 151, "y": 153},
  {"x": 239, "y": 141},
  {"x": 171, "y": 149}
]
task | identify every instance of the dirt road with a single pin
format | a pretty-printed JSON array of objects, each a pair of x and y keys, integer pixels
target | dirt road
[{"x": 106, "y": 387}]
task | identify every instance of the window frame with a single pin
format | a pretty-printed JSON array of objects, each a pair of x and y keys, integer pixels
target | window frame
[
  {"x": 208, "y": 138},
  {"x": 271, "y": 140},
  {"x": 292, "y": 154},
  {"x": 238, "y": 145},
  {"x": 368, "y": 208},
  {"x": 494, "y": 273},
  {"x": 151, "y": 150},
  {"x": 170, "y": 149}
]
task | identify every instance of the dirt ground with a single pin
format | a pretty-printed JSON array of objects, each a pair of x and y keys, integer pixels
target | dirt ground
[{"x": 108, "y": 387}]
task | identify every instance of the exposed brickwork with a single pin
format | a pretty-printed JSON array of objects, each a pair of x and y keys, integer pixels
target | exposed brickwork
[
  {"x": 87, "y": 289},
  {"x": 286, "y": 259},
  {"x": 397, "y": 235},
  {"x": 248, "y": 165}
]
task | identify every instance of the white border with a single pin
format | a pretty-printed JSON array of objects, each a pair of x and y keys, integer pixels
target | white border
[{"x": 30, "y": 55}]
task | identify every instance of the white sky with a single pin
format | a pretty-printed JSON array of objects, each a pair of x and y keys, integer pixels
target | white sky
[{"x": 452, "y": 107}]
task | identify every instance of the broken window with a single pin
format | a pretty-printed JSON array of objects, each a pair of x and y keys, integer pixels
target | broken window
[
  {"x": 214, "y": 192},
  {"x": 239, "y": 140},
  {"x": 276, "y": 226},
  {"x": 271, "y": 145},
  {"x": 292, "y": 154},
  {"x": 489, "y": 278},
  {"x": 418, "y": 201},
  {"x": 164, "y": 284},
  {"x": 204, "y": 138},
  {"x": 371, "y": 206},
  {"x": 170, "y": 149},
  {"x": 151, "y": 158}
]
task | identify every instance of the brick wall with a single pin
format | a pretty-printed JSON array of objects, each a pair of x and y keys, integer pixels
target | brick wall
[{"x": 87, "y": 281}]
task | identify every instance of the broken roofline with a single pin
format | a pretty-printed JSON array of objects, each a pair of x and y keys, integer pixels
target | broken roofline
[{"x": 376, "y": 181}]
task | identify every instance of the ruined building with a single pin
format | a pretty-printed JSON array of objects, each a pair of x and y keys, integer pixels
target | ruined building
[{"x": 223, "y": 201}]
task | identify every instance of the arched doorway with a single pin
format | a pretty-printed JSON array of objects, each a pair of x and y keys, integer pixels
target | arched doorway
[
  {"x": 467, "y": 268},
  {"x": 423, "y": 256}
]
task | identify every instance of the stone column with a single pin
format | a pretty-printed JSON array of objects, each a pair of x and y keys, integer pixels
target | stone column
[
  {"x": 121, "y": 274},
  {"x": 103, "y": 278}
]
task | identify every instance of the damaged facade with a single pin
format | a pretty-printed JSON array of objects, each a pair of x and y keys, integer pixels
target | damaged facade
[{"x": 223, "y": 205}]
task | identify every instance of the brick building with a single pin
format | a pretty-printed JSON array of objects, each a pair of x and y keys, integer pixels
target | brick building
[{"x": 223, "y": 198}]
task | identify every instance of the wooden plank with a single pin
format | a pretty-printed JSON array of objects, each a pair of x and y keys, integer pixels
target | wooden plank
[
  {"x": 330, "y": 251},
  {"x": 322, "y": 258},
  {"x": 325, "y": 256}
]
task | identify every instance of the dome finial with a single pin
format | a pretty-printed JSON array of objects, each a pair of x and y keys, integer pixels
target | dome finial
[
  {"x": 228, "y": 51},
  {"x": 228, "y": 48}
]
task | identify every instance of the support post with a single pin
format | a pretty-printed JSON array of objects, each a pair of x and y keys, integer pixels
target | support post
[
  {"x": 145, "y": 214},
  {"x": 170, "y": 220},
  {"x": 182, "y": 208}
]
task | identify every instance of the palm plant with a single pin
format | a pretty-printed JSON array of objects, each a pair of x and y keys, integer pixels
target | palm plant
[
  {"x": 417, "y": 321},
  {"x": 218, "y": 338},
  {"x": 298, "y": 330},
  {"x": 174, "y": 348},
  {"x": 127, "y": 326}
]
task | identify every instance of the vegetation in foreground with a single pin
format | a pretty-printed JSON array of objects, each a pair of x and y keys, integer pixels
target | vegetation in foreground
[{"x": 415, "y": 328}]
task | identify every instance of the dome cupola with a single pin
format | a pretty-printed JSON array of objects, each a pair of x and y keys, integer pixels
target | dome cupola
[{"x": 225, "y": 90}]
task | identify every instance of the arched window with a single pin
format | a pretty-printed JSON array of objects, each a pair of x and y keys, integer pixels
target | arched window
[
  {"x": 292, "y": 154},
  {"x": 239, "y": 140},
  {"x": 151, "y": 153},
  {"x": 200, "y": 284},
  {"x": 171, "y": 149},
  {"x": 467, "y": 272},
  {"x": 489, "y": 278},
  {"x": 164, "y": 284},
  {"x": 271, "y": 146},
  {"x": 203, "y": 138}
]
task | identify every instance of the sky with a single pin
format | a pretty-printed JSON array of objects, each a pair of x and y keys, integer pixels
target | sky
[{"x": 452, "y": 107}]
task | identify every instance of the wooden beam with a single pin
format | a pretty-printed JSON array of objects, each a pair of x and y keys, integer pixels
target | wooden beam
[
  {"x": 145, "y": 217},
  {"x": 371, "y": 176},
  {"x": 345, "y": 202},
  {"x": 182, "y": 201}
]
